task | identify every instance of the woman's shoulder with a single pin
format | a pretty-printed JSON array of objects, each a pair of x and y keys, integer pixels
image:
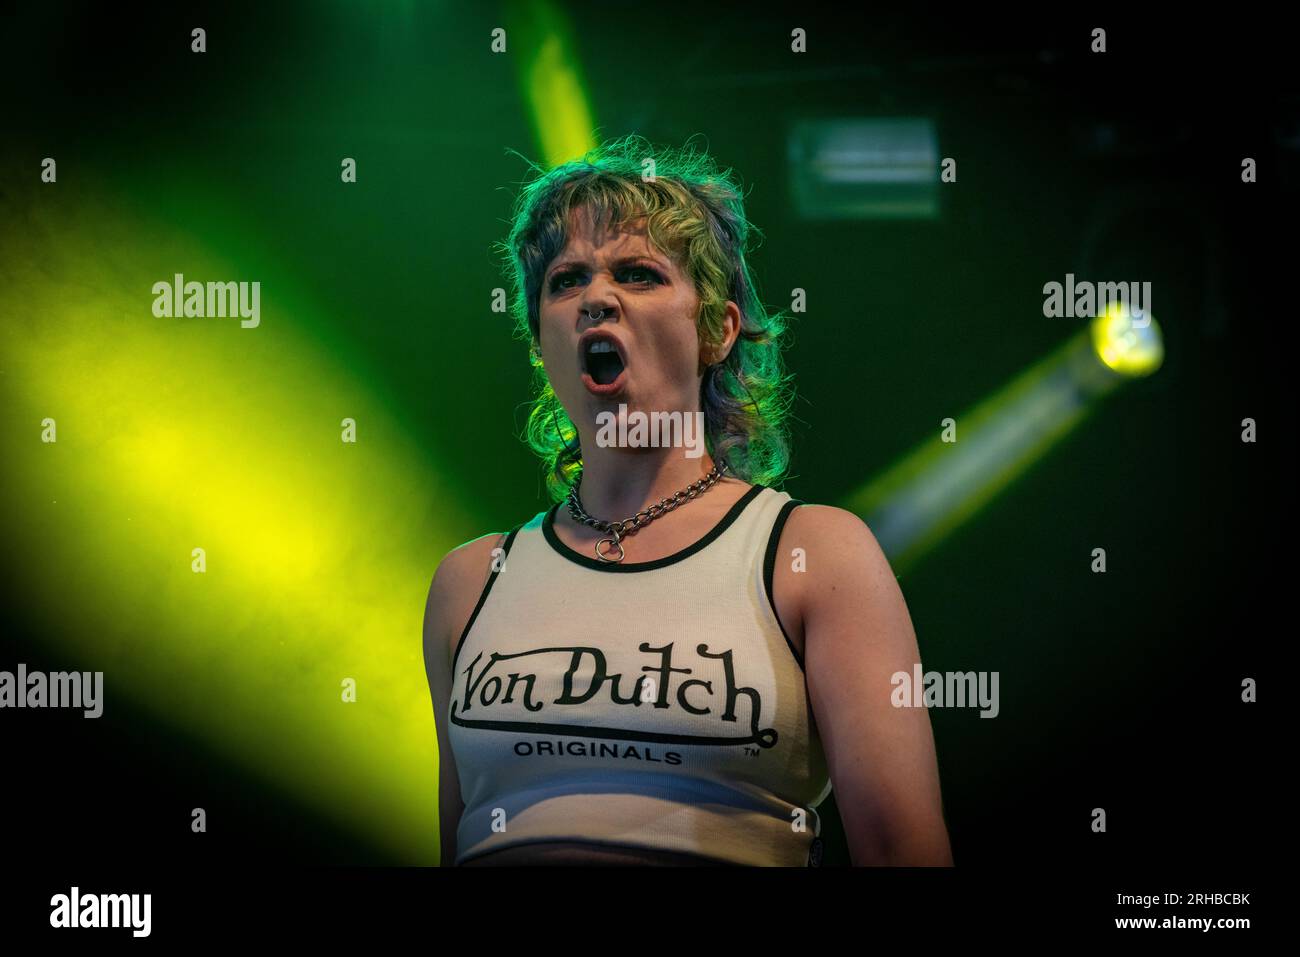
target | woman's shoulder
[
  {"x": 479, "y": 553},
  {"x": 471, "y": 557},
  {"x": 840, "y": 542},
  {"x": 457, "y": 582},
  {"x": 826, "y": 516},
  {"x": 843, "y": 529}
]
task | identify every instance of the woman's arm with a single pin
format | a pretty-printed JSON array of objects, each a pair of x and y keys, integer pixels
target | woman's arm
[
  {"x": 857, "y": 635},
  {"x": 455, "y": 590}
]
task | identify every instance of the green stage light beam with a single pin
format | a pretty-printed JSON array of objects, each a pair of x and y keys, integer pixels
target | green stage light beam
[
  {"x": 552, "y": 83},
  {"x": 177, "y": 433},
  {"x": 940, "y": 485}
]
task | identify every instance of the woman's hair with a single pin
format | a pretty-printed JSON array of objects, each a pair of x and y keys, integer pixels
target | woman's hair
[{"x": 695, "y": 214}]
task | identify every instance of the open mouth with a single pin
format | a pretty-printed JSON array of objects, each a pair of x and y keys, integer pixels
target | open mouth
[
  {"x": 603, "y": 362},
  {"x": 602, "y": 359}
]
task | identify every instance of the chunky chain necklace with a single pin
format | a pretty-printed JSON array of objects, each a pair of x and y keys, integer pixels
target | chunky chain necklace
[{"x": 644, "y": 517}]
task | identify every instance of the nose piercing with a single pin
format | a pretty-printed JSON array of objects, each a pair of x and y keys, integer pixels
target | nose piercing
[{"x": 596, "y": 316}]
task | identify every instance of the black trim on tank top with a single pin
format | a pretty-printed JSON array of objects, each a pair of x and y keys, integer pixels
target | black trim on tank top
[
  {"x": 769, "y": 570},
  {"x": 487, "y": 587},
  {"x": 548, "y": 529}
]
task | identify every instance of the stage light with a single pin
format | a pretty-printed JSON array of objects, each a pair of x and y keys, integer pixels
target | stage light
[
  {"x": 1127, "y": 344},
  {"x": 553, "y": 86},
  {"x": 865, "y": 169},
  {"x": 940, "y": 485}
]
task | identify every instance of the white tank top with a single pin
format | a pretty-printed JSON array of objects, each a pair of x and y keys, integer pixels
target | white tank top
[{"x": 656, "y": 705}]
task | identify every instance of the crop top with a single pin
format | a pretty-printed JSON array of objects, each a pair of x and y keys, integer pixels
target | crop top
[{"x": 656, "y": 705}]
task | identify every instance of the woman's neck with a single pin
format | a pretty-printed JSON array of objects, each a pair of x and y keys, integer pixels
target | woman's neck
[{"x": 617, "y": 483}]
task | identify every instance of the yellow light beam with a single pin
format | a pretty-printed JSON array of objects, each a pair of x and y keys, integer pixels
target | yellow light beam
[
  {"x": 551, "y": 80},
  {"x": 180, "y": 433},
  {"x": 941, "y": 484}
]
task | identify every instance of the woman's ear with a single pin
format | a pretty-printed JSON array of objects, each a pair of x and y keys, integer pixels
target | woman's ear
[
  {"x": 711, "y": 353},
  {"x": 730, "y": 331}
]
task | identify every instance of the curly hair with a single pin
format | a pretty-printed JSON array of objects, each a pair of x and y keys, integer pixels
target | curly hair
[{"x": 694, "y": 213}]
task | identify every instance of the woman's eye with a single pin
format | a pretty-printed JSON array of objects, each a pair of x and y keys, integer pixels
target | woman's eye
[
  {"x": 649, "y": 274},
  {"x": 640, "y": 275}
]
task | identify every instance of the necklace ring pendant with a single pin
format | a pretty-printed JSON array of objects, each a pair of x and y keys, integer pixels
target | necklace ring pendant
[{"x": 604, "y": 555}]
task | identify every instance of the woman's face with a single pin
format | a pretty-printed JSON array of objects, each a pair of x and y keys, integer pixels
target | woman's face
[{"x": 650, "y": 309}]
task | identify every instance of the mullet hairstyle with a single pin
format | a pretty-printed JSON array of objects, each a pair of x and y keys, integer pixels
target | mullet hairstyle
[{"x": 694, "y": 213}]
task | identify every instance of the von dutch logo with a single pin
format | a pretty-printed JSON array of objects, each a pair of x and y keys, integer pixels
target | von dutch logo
[{"x": 509, "y": 683}]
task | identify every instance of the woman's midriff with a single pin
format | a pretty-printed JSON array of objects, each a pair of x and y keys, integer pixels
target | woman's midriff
[{"x": 573, "y": 854}]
